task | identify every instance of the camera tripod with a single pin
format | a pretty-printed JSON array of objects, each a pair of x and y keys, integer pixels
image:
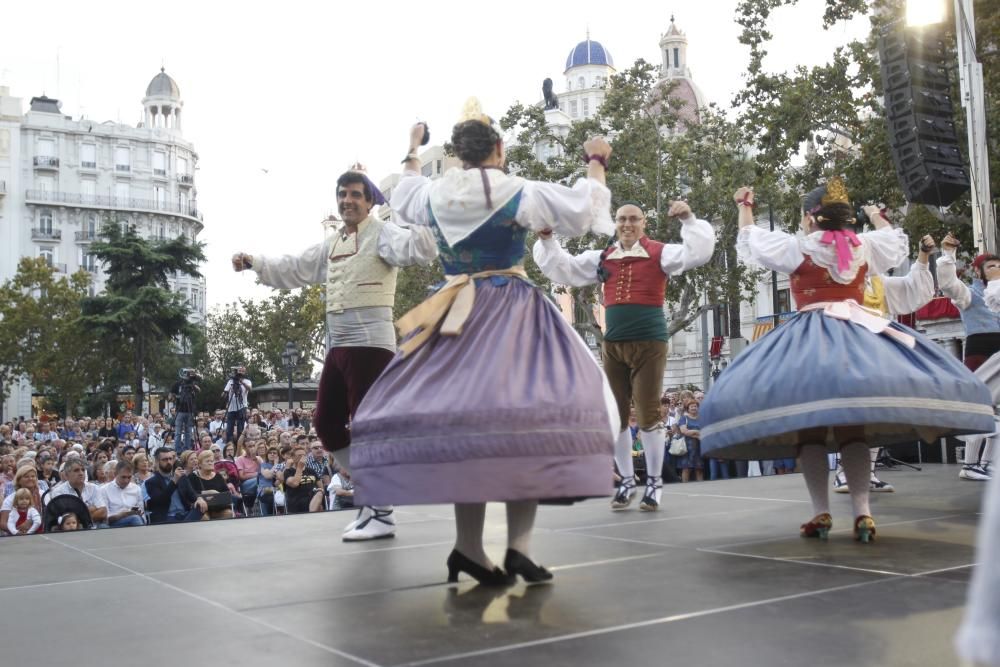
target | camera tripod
[{"x": 884, "y": 459}]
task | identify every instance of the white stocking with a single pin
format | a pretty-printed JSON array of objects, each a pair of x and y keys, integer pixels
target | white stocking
[
  {"x": 857, "y": 470},
  {"x": 623, "y": 454},
  {"x": 652, "y": 446},
  {"x": 816, "y": 471}
]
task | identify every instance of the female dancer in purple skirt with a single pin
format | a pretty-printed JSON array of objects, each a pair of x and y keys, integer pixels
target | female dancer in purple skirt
[
  {"x": 492, "y": 396},
  {"x": 836, "y": 376}
]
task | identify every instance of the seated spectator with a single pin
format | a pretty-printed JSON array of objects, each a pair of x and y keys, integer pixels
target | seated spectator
[
  {"x": 100, "y": 458},
  {"x": 247, "y": 469},
  {"x": 123, "y": 498},
  {"x": 23, "y": 519},
  {"x": 47, "y": 472},
  {"x": 68, "y": 522},
  {"x": 141, "y": 469},
  {"x": 341, "y": 490},
  {"x": 74, "y": 473},
  {"x": 195, "y": 489},
  {"x": 162, "y": 485},
  {"x": 25, "y": 478},
  {"x": 301, "y": 485},
  {"x": 266, "y": 479}
]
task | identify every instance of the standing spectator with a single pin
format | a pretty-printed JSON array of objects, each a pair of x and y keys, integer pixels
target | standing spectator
[
  {"x": 23, "y": 518},
  {"x": 75, "y": 475},
  {"x": 123, "y": 498},
  {"x": 126, "y": 426},
  {"x": 217, "y": 424},
  {"x": 162, "y": 485},
  {"x": 237, "y": 394},
  {"x": 301, "y": 484},
  {"x": 691, "y": 429},
  {"x": 108, "y": 430},
  {"x": 46, "y": 434},
  {"x": 196, "y": 488}
]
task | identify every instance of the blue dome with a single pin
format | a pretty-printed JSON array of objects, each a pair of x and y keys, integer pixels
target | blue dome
[{"x": 589, "y": 52}]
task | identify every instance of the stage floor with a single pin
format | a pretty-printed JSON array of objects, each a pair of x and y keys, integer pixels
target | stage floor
[{"x": 718, "y": 577}]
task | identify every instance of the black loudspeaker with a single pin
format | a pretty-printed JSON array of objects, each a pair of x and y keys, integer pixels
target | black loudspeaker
[{"x": 920, "y": 116}]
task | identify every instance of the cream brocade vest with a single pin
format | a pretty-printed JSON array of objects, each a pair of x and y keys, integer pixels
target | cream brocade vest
[{"x": 356, "y": 277}]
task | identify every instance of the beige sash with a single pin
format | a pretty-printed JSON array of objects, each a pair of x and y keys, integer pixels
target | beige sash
[{"x": 452, "y": 303}]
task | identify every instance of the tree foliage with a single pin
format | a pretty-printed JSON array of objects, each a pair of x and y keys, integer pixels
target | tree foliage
[
  {"x": 138, "y": 312},
  {"x": 42, "y": 336}
]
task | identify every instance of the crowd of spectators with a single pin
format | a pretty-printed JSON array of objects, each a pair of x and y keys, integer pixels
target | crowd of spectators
[{"x": 59, "y": 474}]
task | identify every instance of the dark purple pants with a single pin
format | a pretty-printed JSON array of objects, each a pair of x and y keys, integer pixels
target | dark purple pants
[{"x": 348, "y": 372}]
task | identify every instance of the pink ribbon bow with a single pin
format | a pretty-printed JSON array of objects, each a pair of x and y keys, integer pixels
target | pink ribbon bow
[{"x": 842, "y": 239}]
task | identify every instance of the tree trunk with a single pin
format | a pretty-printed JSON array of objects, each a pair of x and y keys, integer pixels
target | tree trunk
[
  {"x": 684, "y": 314},
  {"x": 582, "y": 304},
  {"x": 733, "y": 297}
]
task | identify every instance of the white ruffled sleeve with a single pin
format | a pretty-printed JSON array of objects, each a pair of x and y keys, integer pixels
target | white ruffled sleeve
[
  {"x": 562, "y": 268},
  {"x": 777, "y": 250},
  {"x": 909, "y": 293},
  {"x": 406, "y": 246},
  {"x": 887, "y": 248},
  {"x": 291, "y": 271},
  {"x": 586, "y": 207},
  {"x": 992, "y": 295},
  {"x": 410, "y": 199},
  {"x": 696, "y": 247},
  {"x": 948, "y": 282}
]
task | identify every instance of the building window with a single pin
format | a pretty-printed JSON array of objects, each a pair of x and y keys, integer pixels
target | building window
[
  {"x": 122, "y": 159},
  {"x": 45, "y": 221},
  {"x": 437, "y": 167},
  {"x": 48, "y": 255},
  {"x": 89, "y": 262},
  {"x": 586, "y": 107},
  {"x": 581, "y": 83},
  {"x": 88, "y": 188},
  {"x": 88, "y": 156},
  {"x": 159, "y": 163},
  {"x": 427, "y": 169},
  {"x": 784, "y": 303},
  {"x": 182, "y": 166},
  {"x": 121, "y": 193},
  {"x": 46, "y": 148},
  {"x": 572, "y": 109},
  {"x": 90, "y": 225},
  {"x": 677, "y": 58},
  {"x": 160, "y": 196}
]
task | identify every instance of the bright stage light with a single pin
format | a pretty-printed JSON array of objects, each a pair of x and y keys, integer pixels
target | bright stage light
[{"x": 924, "y": 12}]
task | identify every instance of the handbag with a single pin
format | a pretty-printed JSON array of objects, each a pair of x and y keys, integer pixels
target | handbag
[
  {"x": 219, "y": 500},
  {"x": 678, "y": 446}
]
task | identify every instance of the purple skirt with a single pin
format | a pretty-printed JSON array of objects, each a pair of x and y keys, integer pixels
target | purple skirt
[{"x": 513, "y": 408}]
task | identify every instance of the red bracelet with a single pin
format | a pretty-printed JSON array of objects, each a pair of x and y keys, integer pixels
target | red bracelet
[
  {"x": 745, "y": 201},
  {"x": 598, "y": 158},
  {"x": 884, "y": 212}
]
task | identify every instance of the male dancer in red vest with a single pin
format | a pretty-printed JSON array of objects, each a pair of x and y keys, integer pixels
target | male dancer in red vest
[{"x": 634, "y": 271}]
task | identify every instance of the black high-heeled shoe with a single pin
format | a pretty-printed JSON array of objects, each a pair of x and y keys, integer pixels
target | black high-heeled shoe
[
  {"x": 459, "y": 562},
  {"x": 516, "y": 563}
]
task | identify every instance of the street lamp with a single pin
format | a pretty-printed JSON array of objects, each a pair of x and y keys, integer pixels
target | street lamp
[{"x": 290, "y": 358}]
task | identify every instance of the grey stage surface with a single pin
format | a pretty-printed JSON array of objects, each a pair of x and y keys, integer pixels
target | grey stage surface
[{"x": 719, "y": 577}]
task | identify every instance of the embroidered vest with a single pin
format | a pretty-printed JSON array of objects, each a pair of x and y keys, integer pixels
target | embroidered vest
[
  {"x": 978, "y": 318},
  {"x": 813, "y": 284},
  {"x": 356, "y": 277},
  {"x": 635, "y": 280}
]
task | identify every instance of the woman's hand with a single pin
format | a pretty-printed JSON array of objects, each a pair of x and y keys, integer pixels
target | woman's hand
[
  {"x": 927, "y": 246},
  {"x": 679, "y": 209},
  {"x": 949, "y": 243},
  {"x": 743, "y": 196},
  {"x": 417, "y": 136},
  {"x": 201, "y": 505}
]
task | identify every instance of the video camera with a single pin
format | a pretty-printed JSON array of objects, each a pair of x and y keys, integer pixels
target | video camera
[{"x": 189, "y": 375}]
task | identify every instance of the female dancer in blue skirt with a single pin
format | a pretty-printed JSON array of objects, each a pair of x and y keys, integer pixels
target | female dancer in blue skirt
[
  {"x": 836, "y": 376},
  {"x": 493, "y": 396}
]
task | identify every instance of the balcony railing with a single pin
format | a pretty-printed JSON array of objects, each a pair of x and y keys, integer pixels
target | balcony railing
[
  {"x": 88, "y": 165},
  {"x": 38, "y": 234},
  {"x": 189, "y": 210},
  {"x": 46, "y": 162},
  {"x": 60, "y": 268},
  {"x": 160, "y": 172},
  {"x": 90, "y": 269},
  {"x": 185, "y": 179},
  {"x": 85, "y": 237},
  {"x": 123, "y": 168}
]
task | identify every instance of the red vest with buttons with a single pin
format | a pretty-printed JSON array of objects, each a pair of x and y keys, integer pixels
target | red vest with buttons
[
  {"x": 636, "y": 280},
  {"x": 813, "y": 284}
]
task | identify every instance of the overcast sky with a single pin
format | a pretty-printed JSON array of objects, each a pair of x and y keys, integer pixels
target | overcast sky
[{"x": 303, "y": 89}]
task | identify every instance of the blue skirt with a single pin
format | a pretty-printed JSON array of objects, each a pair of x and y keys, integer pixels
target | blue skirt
[{"x": 818, "y": 371}]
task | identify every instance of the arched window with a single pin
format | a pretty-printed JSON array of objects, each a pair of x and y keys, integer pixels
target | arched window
[{"x": 581, "y": 82}]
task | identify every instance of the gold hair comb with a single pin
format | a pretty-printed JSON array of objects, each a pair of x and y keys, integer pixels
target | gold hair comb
[
  {"x": 473, "y": 110},
  {"x": 836, "y": 192}
]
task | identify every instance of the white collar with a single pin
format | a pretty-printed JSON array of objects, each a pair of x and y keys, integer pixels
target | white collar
[{"x": 635, "y": 251}]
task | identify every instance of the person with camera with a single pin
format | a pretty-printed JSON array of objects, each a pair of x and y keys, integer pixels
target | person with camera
[
  {"x": 183, "y": 394},
  {"x": 206, "y": 491},
  {"x": 123, "y": 498},
  {"x": 358, "y": 265},
  {"x": 236, "y": 394},
  {"x": 161, "y": 487}
]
